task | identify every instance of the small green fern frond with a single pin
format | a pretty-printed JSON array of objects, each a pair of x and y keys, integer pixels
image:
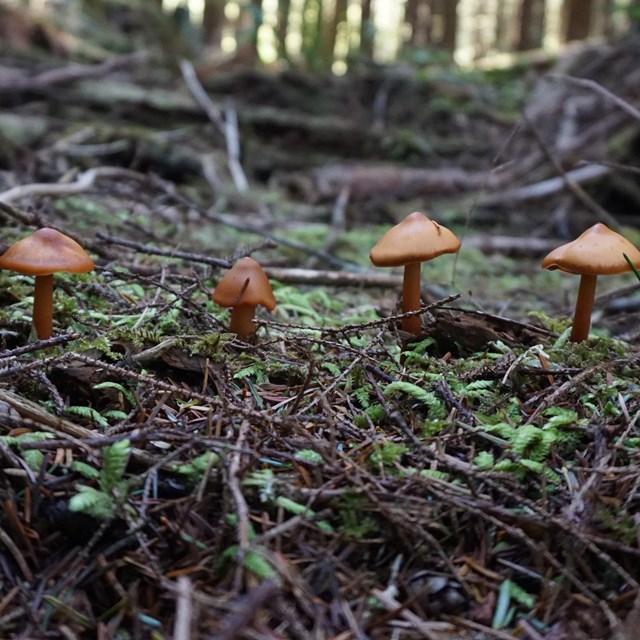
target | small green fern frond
[
  {"x": 114, "y": 462},
  {"x": 332, "y": 368},
  {"x": 362, "y": 394},
  {"x": 92, "y": 502},
  {"x": 417, "y": 393},
  {"x": 85, "y": 470},
  {"x": 525, "y": 437},
  {"x": 89, "y": 413},
  {"x": 255, "y": 370},
  {"x": 117, "y": 387},
  {"x": 479, "y": 389}
]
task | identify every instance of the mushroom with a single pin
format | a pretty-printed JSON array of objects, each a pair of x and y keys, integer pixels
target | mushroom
[
  {"x": 598, "y": 251},
  {"x": 412, "y": 241},
  {"x": 243, "y": 288},
  {"x": 42, "y": 254}
]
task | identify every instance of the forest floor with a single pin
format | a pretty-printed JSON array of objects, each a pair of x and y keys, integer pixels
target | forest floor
[{"x": 335, "y": 477}]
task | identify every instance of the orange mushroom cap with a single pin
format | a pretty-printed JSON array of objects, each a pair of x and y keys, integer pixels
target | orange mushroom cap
[
  {"x": 245, "y": 284},
  {"x": 45, "y": 252},
  {"x": 415, "y": 239},
  {"x": 598, "y": 251}
]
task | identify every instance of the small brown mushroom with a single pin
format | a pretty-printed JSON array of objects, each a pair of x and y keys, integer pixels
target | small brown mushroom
[
  {"x": 414, "y": 240},
  {"x": 598, "y": 251},
  {"x": 243, "y": 288},
  {"x": 42, "y": 254}
]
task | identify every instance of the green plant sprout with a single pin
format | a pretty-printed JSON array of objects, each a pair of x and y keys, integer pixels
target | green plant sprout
[{"x": 113, "y": 489}]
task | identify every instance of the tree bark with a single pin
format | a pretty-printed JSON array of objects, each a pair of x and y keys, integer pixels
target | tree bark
[
  {"x": 367, "y": 30},
  {"x": 212, "y": 22},
  {"x": 501, "y": 36},
  {"x": 282, "y": 28},
  {"x": 412, "y": 18},
  {"x": 450, "y": 26},
  {"x": 333, "y": 26},
  {"x": 531, "y": 25},
  {"x": 577, "y": 18}
]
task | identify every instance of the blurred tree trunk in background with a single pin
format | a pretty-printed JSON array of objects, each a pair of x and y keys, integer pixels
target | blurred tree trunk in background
[
  {"x": 250, "y": 23},
  {"x": 312, "y": 34},
  {"x": 418, "y": 13},
  {"x": 450, "y": 25},
  {"x": 501, "y": 34},
  {"x": 634, "y": 15},
  {"x": 282, "y": 28},
  {"x": 531, "y": 24},
  {"x": 212, "y": 22},
  {"x": 367, "y": 30},
  {"x": 334, "y": 25},
  {"x": 576, "y": 19},
  {"x": 411, "y": 17}
]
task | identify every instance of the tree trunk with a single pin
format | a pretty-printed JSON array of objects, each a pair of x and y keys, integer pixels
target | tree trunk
[
  {"x": 530, "y": 25},
  {"x": 312, "y": 35},
  {"x": 282, "y": 28},
  {"x": 501, "y": 36},
  {"x": 337, "y": 22},
  {"x": 367, "y": 30},
  {"x": 577, "y": 19},
  {"x": 450, "y": 26},
  {"x": 250, "y": 22},
  {"x": 212, "y": 22},
  {"x": 412, "y": 18}
]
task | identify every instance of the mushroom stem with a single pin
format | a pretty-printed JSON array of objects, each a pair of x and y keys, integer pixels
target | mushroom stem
[
  {"x": 242, "y": 320},
  {"x": 584, "y": 306},
  {"x": 43, "y": 306},
  {"x": 411, "y": 298}
]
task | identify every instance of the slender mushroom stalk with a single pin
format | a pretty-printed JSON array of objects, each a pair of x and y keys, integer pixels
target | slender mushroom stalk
[
  {"x": 584, "y": 307},
  {"x": 414, "y": 240},
  {"x": 43, "y": 306},
  {"x": 242, "y": 321},
  {"x": 243, "y": 288},
  {"x": 411, "y": 298},
  {"x": 598, "y": 251},
  {"x": 42, "y": 254}
]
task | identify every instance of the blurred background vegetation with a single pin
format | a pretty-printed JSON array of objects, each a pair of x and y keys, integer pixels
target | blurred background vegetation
[{"x": 317, "y": 35}]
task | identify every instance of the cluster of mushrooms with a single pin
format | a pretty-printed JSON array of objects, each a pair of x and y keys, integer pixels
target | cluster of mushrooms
[{"x": 598, "y": 251}]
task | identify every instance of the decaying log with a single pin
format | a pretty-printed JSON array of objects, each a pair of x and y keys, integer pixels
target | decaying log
[
  {"x": 547, "y": 187},
  {"x": 367, "y": 182}
]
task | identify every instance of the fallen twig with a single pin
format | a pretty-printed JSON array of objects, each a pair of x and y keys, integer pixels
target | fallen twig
[
  {"x": 585, "y": 83},
  {"x": 546, "y": 187},
  {"x": 228, "y": 125},
  {"x": 82, "y": 183},
  {"x": 72, "y": 72}
]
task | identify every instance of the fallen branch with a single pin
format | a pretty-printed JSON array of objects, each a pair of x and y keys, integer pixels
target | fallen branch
[
  {"x": 227, "y": 126},
  {"x": 82, "y": 183},
  {"x": 585, "y": 83},
  {"x": 71, "y": 73},
  {"x": 546, "y": 187},
  {"x": 367, "y": 182}
]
